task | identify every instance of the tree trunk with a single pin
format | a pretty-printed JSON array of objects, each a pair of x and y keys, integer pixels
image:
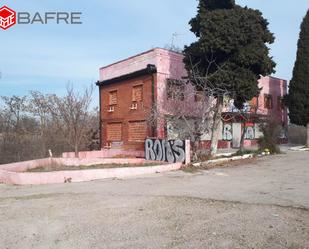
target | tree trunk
[
  {"x": 215, "y": 131},
  {"x": 308, "y": 135},
  {"x": 76, "y": 150},
  {"x": 242, "y": 139}
]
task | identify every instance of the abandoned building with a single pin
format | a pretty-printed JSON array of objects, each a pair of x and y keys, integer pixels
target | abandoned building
[{"x": 132, "y": 90}]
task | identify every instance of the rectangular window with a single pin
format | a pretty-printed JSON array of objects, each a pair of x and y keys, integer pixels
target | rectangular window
[
  {"x": 268, "y": 101},
  {"x": 113, "y": 98},
  {"x": 137, "y": 131},
  {"x": 175, "y": 89},
  {"x": 137, "y": 93},
  {"x": 114, "y": 132}
]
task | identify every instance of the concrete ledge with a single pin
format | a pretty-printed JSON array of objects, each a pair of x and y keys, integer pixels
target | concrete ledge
[
  {"x": 9, "y": 177},
  {"x": 223, "y": 160},
  {"x": 299, "y": 148}
]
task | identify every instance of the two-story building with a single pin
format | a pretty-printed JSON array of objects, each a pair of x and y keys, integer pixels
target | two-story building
[{"x": 133, "y": 89}]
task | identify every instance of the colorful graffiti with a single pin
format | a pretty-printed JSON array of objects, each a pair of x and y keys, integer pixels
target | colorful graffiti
[
  {"x": 171, "y": 151},
  {"x": 228, "y": 132},
  {"x": 250, "y": 133}
]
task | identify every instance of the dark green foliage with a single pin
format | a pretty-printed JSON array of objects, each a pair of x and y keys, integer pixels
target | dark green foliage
[
  {"x": 231, "y": 48},
  {"x": 298, "y": 98}
]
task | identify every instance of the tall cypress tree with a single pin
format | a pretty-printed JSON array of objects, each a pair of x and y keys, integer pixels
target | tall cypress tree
[
  {"x": 231, "y": 50},
  {"x": 298, "y": 98}
]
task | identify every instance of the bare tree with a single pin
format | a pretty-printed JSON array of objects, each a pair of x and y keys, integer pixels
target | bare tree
[
  {"x": 71, "y": 114},
  {"x": 17, "y": 129},
  {"x": 31, "y": 125},
  {"x": 15, "y": 107},
  {"x": 38, "y": 106},
  {"x": 196, "y": 110},
  {"x": 188, "y": 111}
]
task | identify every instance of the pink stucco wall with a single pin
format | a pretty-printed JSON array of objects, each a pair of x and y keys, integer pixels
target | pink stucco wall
[
  {"x": 277, "y": 88},
  {"x": 167, "y": 62},
  {"x": 105, "y": 153}
]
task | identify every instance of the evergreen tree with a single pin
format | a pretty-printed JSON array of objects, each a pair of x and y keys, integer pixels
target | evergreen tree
[
  {"x": 231, "y": 52},
  {"x": 298, "y": 98}
]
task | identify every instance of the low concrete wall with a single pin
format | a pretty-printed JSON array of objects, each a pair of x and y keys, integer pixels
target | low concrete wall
[
  {"x": 105, "y": 153},
  {"x": 17, "y": 178},
  {"x": 24, "y": 166},
  {"x": 14, "y": 173}
]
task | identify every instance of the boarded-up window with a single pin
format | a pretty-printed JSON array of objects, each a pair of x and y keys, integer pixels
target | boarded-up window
[
  {"x": 268, "y": 101},
  {"x": 114, "y": 132},
  {"x": 113, "y": 98},
  {"x": 137, "y": 131},
  {"x": 137, "y": 93}
]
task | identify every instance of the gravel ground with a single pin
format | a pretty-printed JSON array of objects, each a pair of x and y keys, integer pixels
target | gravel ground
[{"x": 264, "y": 204}]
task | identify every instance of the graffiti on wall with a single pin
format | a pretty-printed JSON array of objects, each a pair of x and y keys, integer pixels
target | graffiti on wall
[
  {"x": 171, "y": 151},
  {"x": 228, "y": 132},
  {"x": 250, "y": 133}
]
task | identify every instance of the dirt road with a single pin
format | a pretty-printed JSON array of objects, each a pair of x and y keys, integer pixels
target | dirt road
[{"x": 260, "y": 205}]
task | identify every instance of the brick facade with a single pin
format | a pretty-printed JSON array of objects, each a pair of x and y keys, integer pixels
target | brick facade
[{"x": 126, "y": 125}]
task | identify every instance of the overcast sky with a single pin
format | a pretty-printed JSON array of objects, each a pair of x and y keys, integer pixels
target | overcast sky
[{"x": 46, "y": 57}]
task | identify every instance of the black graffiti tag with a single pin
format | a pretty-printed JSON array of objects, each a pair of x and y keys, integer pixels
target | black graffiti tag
[{"x": 165, "y": 150}]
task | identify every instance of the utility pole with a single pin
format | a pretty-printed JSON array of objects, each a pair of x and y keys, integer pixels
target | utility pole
[{"x": 174, "y": 37}]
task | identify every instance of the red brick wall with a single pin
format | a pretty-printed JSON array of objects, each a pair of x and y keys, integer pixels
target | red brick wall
[{"x": 130, "y": 120}]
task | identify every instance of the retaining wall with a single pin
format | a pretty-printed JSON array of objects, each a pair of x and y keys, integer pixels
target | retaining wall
[
  {"x": 14, "y": 173},
  {"x": 104, "y": 153}
]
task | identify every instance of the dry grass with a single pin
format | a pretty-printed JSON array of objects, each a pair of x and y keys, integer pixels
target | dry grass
[
  {"x": 55, "y": 167},
  {"x": 124, "y": 156},
  {"x": 193, "y": 169},
  {"x": 236, "y": 163}
]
